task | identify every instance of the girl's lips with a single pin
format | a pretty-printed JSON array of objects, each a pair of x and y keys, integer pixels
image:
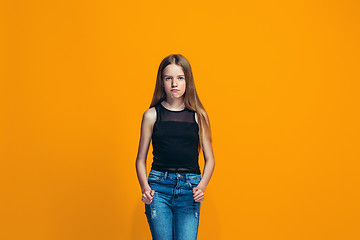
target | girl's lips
[{"x": 174, "y": 90}]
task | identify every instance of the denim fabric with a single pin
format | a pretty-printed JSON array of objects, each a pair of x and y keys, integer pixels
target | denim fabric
[{"x": 173, "y": 213}]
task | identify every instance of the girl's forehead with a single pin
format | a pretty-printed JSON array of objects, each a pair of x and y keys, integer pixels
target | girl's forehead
[{"x": 173, "y": 68}]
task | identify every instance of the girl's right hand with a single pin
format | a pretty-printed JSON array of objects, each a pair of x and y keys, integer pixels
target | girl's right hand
[{"x": 148, "y": 196}]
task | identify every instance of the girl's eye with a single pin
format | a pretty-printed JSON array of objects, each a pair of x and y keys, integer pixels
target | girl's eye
[{"x": 170, "y": 78}]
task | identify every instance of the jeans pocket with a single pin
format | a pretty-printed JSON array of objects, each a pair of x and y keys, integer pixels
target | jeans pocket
[
  {"x": 155, "y": 178},
  {"x": 193, "y": 182}
]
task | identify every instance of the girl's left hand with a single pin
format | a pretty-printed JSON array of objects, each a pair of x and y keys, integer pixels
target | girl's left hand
[{"x": 198, "y": 194}]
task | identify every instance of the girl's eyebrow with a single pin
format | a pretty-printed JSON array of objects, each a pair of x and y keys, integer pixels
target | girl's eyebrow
[{"x": 171, "y": 76}]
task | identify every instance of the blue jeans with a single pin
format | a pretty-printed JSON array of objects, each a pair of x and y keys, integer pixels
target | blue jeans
[{"x": 173, "y": 213}]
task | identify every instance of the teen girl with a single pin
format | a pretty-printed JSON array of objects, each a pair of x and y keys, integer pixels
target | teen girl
[{"x": 179, "y": 127}]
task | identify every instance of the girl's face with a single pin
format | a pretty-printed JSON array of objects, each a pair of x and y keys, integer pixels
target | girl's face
[{"x": 174, "y": 81}]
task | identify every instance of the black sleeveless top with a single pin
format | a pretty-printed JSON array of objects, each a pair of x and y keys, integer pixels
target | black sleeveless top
[{"x": 175, "y": 141}]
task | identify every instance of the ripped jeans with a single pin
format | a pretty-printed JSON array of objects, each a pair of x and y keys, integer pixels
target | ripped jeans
[{"x": 173, "y": 213}]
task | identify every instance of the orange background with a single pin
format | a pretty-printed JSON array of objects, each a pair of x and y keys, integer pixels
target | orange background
[{"x": 280, "y": 82}]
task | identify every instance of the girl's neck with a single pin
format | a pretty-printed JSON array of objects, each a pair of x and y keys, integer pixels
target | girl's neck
[{"x": 174, "y": 104}]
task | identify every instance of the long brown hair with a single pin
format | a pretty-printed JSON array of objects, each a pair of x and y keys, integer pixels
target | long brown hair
[{"x": 191, "y": 99}]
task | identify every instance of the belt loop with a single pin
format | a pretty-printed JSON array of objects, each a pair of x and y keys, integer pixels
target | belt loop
[
  {"x": 186, "y": 176},
  {"x": 166, "y": 173}
]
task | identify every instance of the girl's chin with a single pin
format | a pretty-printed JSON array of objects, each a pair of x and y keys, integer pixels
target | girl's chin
[{"x": 177, "y": 94}]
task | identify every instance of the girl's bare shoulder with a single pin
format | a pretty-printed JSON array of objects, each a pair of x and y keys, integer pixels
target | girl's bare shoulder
[{"x": 149, "y": 115}]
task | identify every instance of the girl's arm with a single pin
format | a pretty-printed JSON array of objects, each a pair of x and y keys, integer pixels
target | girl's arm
[
  {"x": 147, "y": 123},
  {"x": 209, "y": 162}
]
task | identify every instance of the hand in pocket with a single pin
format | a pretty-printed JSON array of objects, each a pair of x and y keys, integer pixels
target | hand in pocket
[{"x": 148, "y": 196}]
